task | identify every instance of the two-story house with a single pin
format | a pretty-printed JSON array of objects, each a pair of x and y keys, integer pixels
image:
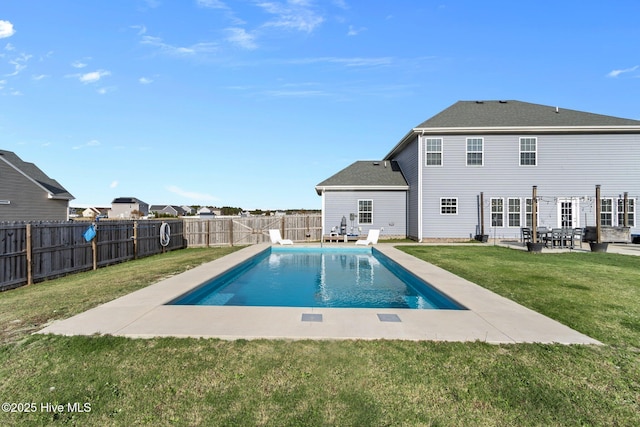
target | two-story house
[
  {"x": 475, "y": 164},
  {"x": 128, "y": 208},
  {"x": 28, "y": 194}
]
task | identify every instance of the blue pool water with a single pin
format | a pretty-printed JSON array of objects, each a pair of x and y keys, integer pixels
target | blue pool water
[{"x": 319, "y": 277}]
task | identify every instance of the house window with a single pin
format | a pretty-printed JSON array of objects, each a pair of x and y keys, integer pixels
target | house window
[
  {"x": 433, "y": 151},
  {"x": 528, "y": 148},
  {"x": 513, "y": 212},
  {"x": 474, "y": 151},
  {"x": 497, "y": 213},
  {"x": 365, "y": 211},
  {"x": 606, "y": 212},
  {"x": 631, "y": 210},
  {"x": 528, "y": 212},
  {"x": 449, "y": 206}
]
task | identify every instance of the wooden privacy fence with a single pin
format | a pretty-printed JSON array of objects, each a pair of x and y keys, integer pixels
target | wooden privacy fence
[
  {"x": 233, "y": 231},
  {"x": 35, "y": 251}
]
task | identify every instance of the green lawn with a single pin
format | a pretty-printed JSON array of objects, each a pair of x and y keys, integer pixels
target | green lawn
[{"x": 172, "y": 381}]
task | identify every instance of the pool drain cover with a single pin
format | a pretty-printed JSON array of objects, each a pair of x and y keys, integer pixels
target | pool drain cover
[
  {"x": 383, "y": 317},
  {"x": 311, "y": 317}
]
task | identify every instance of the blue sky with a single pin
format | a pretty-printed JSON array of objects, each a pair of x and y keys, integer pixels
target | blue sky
[{"x": 251, "y": 103}]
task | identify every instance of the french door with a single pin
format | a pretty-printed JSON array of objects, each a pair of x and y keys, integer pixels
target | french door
[{"x": 568, "y": 213}]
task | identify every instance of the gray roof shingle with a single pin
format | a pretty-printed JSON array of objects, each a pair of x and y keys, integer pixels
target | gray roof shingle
[
  {"x": 517, "y": 114},
  {"x": 367, "y": 173},
  {"x": 34, "y": 173}
]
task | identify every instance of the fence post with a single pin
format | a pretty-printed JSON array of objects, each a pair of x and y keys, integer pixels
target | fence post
[
  {"x": 231, "y": 231},
  {"x": 135, "y": 239},
  {"x": 282, "y": 227},
  {"x": 94, "y": 248},
  {"x": 207, "y": 236},
  {"x": 29, "y": 256}
]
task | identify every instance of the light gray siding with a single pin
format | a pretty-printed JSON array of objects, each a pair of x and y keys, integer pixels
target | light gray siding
[
  {"x": 409, "y": 163},
  {"x": 27, "y": 201},
  {"x": 388, "y": 211},
  {"x": 568, "y": 166}
]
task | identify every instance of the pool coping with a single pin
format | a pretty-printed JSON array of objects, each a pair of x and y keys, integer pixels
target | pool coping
[{"x": 490, "y": 318}]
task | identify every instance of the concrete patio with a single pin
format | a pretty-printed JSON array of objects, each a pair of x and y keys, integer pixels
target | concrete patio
[{"x": 489, "y": 318}]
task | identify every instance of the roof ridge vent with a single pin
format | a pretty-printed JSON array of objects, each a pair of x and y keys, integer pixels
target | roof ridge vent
[
  {"x": 502, "y": 102},
  {"x": 479, "y": 102}
]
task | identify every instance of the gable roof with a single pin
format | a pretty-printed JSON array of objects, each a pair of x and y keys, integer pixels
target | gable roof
[
  {"x": 517, "y": 114},
  {"x": 495, "y": 117},
  {"x": 366, "y": 175},
  {"x": 127, "y": 200},
  {"x": 34, "y": 174}
]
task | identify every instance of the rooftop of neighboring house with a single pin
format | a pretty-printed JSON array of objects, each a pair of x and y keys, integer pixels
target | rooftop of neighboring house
[
  {"x": 127, "y": 200},
  {"x": 34, "y": 173}
]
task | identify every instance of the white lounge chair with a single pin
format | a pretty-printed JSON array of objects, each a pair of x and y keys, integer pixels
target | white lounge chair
[
  {"x": 371, "y": 238},
  {"x": 277, "y": 238}
]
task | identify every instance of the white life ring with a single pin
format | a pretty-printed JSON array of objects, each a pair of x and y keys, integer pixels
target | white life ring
[{"x": 165, "y": 234}]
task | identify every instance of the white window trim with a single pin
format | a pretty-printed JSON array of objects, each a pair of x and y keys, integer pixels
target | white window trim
[
  {"x": 520, "y": 151},
  {"x": 365, "y": 200},
  {"x": 449, "y": 198},
  {"x": 612, "y": 212},
  {"x": 466, "y": 156},
  {"x": 620, "y": 212},
  {"x": 491, "y": 212},
  {"x": 426, "y": 152},
  {"x": 520, "y": 212}
]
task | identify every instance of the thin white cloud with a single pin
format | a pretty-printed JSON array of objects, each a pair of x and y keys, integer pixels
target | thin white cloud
[
  {"x": 212, "y": 4},
  {"x": 293, "y": 15},
  {"x": 141, "y": 29},
  {"x": 348, "y": 62},
  {"x": 145, "y": 80},
  {"x": 91, "y": 143},
  {"x": 355, "y": 31},
  {"x": 9, "y": 47},
  {"x": 113, "y": 184},
  {"x": 169, "y": 49},
  {"x": 79, "y": 64},
  {"x": 19, "y": 63},
  {"x": 616, "y": 73},
  {"x": 93, "y": 76},
  {"x": 39, "y": 77},
  {"x": 105, "y": 90},
  {"x": 239, "y": 37},
  {"x": 193, "y": 195},
  {"x": 6, "y": 29}
]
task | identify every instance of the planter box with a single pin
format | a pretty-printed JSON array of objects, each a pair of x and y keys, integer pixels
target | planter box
[
  {"x": 608, "y": 234},
  {"x": 534, "y": 247},
  {"x": 598, "y": 247}
]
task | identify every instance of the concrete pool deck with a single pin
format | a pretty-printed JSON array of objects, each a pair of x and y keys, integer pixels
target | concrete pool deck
[{"x": 489, "y": 318}]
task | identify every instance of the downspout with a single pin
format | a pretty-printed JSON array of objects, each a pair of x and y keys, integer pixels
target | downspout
[
  {"x": 420, "y": 172},
  {"x": 323, "y": 217}
]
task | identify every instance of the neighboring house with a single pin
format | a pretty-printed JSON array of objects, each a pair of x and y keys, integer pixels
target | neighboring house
[
  {"x": 28, "y": 194},
  {"x": 367, "y": 194},
  {"x": 94, "y": 212},
  {"x": 496, "y": 151},
  {"x": 188, "y": 210},
  {"x": 205, "y": 212},
  {"x": 172, "y": 210},
  {"x": 127, "y": 208}
]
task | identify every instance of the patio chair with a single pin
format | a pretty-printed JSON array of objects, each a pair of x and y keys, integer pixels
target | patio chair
[
  {"x": 277, "y": 238},
  {"x": 372, "y": 238},
  {"x": 576, "y": 235},
  {"x": 525, "y": 235},
  {"x": 556, "y": 237}
]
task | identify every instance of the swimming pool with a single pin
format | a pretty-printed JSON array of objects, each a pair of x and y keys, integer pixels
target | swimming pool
[{"x": 319, "y": 277}]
